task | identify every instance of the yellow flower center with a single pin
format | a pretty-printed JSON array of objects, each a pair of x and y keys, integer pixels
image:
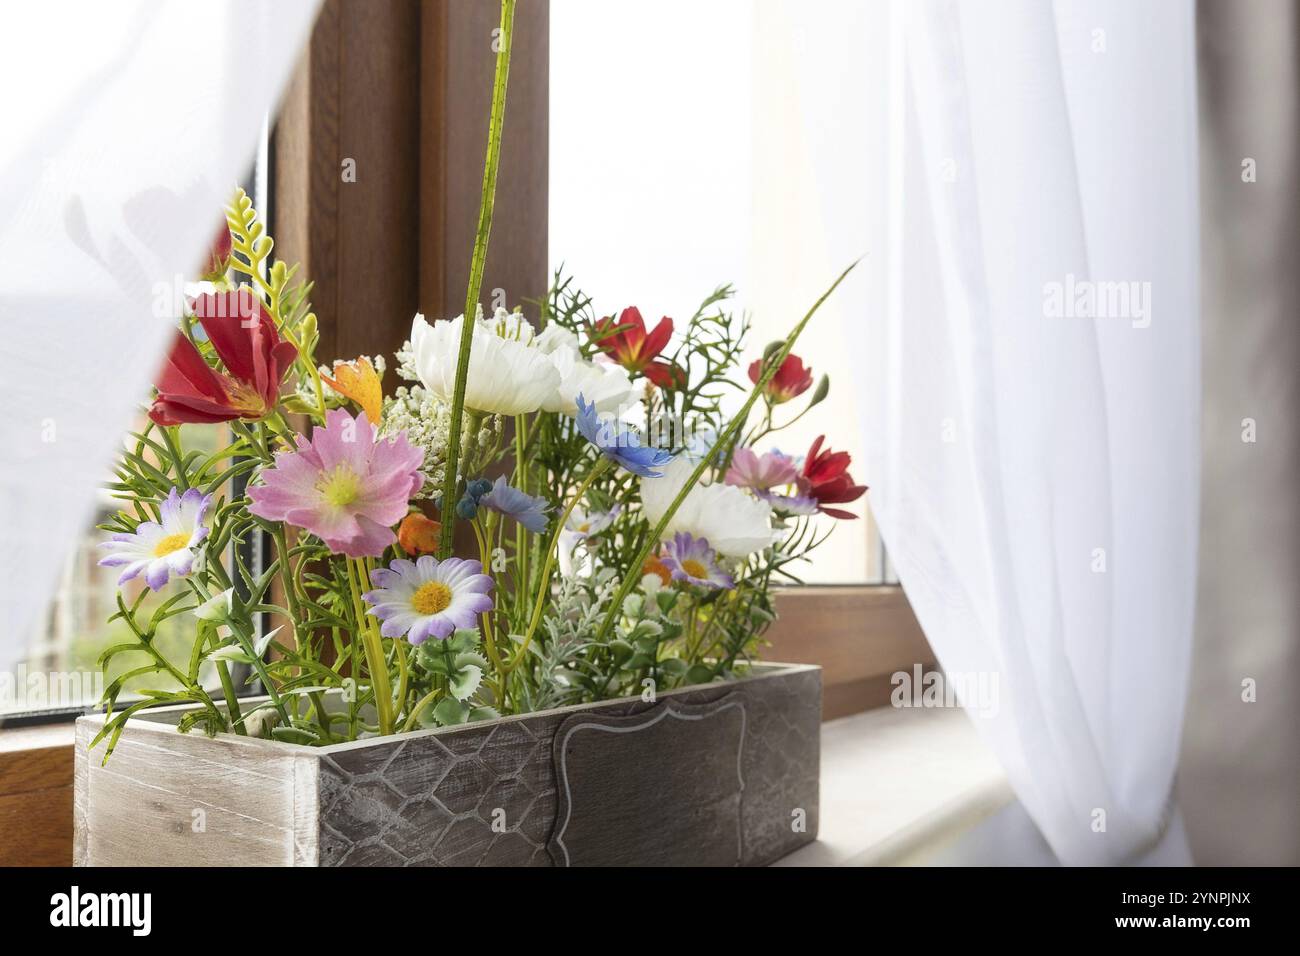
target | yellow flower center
[
  {"x": 340, "y": 487},
  {"x": 584, "y": 527},
  {"x": 245, "y": 400},
  {"x": 172, "y": 542},
  {"x": 432, "y": 597},
  {"x": 695, "y": 569}
]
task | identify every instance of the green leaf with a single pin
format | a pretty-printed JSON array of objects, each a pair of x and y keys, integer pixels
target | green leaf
[
  {"x": 699, "y": 674},
  {"x": 463, "y": 639},
  {"x": 470, "y": 659},
  {"x": 449, "y": 712},
  {"x": 297, "y": 406},
  {"x": 465, "y": 681},
  {"x": 117, "y": 649},
  {"x": 621, "y": 649},
  {"x": 673, "y": 666},
  {"x": 294, "y": 735},
  {"x": 671, "y": 631},
  {"x": 647, "y": 629},
  {"x": 431, "y": 658},
  {"x": 483, "y": 712}
]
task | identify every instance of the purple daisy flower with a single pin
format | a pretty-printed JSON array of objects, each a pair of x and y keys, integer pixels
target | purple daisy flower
[
  {"x": 513, "y": 503},
  {"x": 429, "y": 598},
  {"x": 620, "y": 443},
  {"x": 583, "y": 524},
  {"x": 161, "y": 549},
  {"x": 691, "y": 560}
]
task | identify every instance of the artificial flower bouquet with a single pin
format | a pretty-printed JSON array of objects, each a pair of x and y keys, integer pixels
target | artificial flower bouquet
[{"x": 620, "y": 531}]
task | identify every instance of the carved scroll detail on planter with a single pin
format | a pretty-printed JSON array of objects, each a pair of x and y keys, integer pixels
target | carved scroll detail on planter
[{"x": 669, "y": 804}]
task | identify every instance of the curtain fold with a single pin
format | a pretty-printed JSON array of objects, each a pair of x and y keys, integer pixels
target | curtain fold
[
  {"x": 127, "y": 127},
  {"x": 1031, "y": 391}
]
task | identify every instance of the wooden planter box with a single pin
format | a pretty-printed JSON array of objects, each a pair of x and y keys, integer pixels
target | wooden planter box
[{"x": 723, "y": 774}]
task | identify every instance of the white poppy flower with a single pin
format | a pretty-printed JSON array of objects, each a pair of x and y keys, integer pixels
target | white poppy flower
[{"x": 734, "y": 523}]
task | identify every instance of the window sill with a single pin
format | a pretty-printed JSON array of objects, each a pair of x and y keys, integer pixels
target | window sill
[
  {"x": 860, "y": 635},
  {"x": 897, "y": 785},
  {"x": 36, "y": 795}
]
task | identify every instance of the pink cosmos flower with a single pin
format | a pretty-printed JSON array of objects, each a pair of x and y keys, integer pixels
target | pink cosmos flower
[
  {"x": 342, "y": 485},
  {"x": 761, "y": 472}
]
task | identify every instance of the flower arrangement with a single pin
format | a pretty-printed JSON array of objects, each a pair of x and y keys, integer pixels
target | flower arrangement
[{"x": 620, "y": 530}]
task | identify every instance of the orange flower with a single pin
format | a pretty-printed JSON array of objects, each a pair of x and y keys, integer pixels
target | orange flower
[
  {"x": 418, "y": 534},
  {"x": 359, "y": 381},
  {"x": 655, "y": 566}
]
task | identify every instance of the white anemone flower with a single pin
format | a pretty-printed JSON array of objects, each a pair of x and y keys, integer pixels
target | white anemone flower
[
  {"x": 508, "y": 325},
  {"x": 734, "y": 523},
  {"x": 609, "y": 387},
  {"x": 555, "y": 337},
  {"x": 506, "y": 376}
]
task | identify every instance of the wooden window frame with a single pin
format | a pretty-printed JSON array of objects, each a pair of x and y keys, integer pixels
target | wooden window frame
[
  {"x": 860, "y": 635},
  {"x": 402, "y": 88}
]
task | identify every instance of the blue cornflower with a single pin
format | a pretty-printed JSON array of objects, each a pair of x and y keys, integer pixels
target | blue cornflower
[
  {"x": 513, "y": 503},
  {"x": 467, "y": 507},
  {"x": 620, "y": 443}
]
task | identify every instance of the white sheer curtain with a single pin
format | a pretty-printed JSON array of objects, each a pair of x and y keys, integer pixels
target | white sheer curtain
[
  {"x": 1033, "y": 457},
  {"x": 1033, "y": 465},
  {"x": 126, "y": 127}
]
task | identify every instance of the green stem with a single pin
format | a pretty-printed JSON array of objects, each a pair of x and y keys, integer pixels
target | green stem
[
  {"x": 373, "y": 647},
  {"x": 286, "y": 580},
  {"x": 232, "y": 699},
  {"x": 423, "y": 702},
  {"x": 521, "y": 482},
  {"x": 544, "y": 586},
  {"x": 486, "y": 203},
  {"x": 770, "y": 368},
  {"x": 169, "y": 436}
]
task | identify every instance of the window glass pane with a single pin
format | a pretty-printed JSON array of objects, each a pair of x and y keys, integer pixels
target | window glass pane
[
  {"x": 670, "y": 175},
  {"x": 61, "y": 668}
]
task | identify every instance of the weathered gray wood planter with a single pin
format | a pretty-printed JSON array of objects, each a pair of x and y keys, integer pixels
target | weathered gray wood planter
[{"x": 724, "y": 774}]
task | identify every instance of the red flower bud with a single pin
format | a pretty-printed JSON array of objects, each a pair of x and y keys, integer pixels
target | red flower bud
[{"x": 792, "y": 379}]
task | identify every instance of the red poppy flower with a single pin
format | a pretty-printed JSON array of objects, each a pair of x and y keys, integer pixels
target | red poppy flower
[
  {"x": 792, "y": 379},
  {"x": 636, "y": 349},
  {"x": 826, "y": 479},
  {"x": 255, "y": 357}
]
